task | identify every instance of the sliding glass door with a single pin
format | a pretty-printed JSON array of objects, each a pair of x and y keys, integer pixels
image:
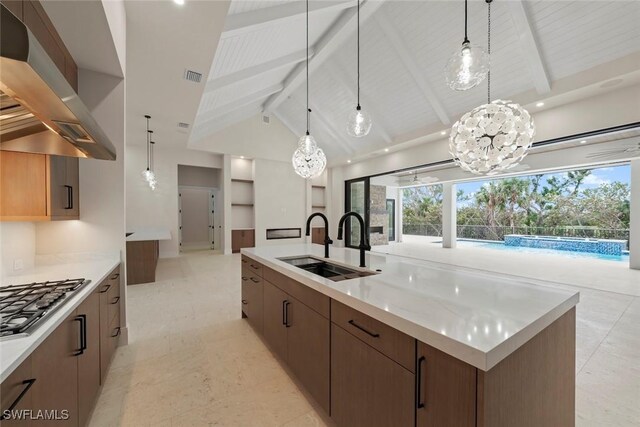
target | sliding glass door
[{"x": 356, "y": 200}]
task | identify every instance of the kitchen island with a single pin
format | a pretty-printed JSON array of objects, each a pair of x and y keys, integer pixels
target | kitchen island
[
  {"x": 143, "y": 252},
  {"x": 418, "y": 343}
]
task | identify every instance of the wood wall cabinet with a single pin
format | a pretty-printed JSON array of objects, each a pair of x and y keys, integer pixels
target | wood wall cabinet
[
  {"x": 38, "y": 187},
  {"x": 245, "y": 238},
  {"x": 16, "y": 393},
  {"x": 32, "y": 13}
]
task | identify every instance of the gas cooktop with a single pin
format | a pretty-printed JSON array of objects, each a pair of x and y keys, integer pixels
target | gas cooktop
[{"x": 24, "y": 307}]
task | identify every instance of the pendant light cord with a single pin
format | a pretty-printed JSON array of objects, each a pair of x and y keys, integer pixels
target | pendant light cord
[
  {"x": 466, "y": 39},
  {"x": 489, "y": 50},
  {"x": 308, "y": 109},
  {"x": 358, "y": 37}
]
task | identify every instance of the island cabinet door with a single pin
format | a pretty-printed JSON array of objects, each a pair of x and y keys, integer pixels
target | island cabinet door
[
  {"x": 367, "y": 388},
  {"x": 308, "y": 355},
  {"x": 446, "y": 389},
  {"x": 55, "y": 367},
  {"x": 89, "y": 360},
  {"x": 16, "y": 395},
  {"x": 274, "y": 324},
  {"x": 252, "y": 299}
]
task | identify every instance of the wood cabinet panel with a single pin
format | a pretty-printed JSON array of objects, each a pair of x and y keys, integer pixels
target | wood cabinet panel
[
  {"x": 252, "y": 298},
  {"x": 24, "y": 186},
  {"x": 55, "y": 367},
  {"x": 317, "y": 235},
  {"x": 308, "y": 350},
  {"x": 446, "y": 389},
  {"x": 14, "y": 6},
  {"x": 10, "y": 392},
  {"x": 89, "y": 360},
  {"x": 242, "y": 239},
  {"x": 142, "y": 260},
  {"x": 253, "y": 265},
  {"x": 391, "y": 342},
  {"x": 312, "y": 298},
  {"x": 367, "y": 388},
  {"x": 109, "y": 320},
  {"x": 274, "y": 329}
]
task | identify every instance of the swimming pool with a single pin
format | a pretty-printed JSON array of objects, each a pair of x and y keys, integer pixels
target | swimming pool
[{"x": 570, "y": 254}]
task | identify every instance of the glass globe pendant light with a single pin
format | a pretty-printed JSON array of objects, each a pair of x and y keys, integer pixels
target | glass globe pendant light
[
  {"x": 493, "y": 137},
  {"x": 467, "y": 67},
  {"x": 359, "y": 122},
  {"x": 308, "y": 160},
  {"x": 148, "y": 174}
]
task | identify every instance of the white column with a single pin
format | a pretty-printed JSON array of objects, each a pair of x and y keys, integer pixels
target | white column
[
  {"x": 449, "y": 218},
  {"x": 399, "y": 209},
  {"x": 634, "y": 222},
  {"x": 226, "y": 200}
]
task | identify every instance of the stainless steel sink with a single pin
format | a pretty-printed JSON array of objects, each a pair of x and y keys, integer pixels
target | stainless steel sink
[{"x": 326, "y": 269}]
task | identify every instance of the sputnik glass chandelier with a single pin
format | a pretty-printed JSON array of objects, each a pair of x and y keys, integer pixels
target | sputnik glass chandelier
[
  {"x": 359, "y": 122},
  {"x": 148, "y": 174},
  {"x": 467, "y": 67},
  {"x": 493, "y": 137},
  {"x": 308, "y": 160}
]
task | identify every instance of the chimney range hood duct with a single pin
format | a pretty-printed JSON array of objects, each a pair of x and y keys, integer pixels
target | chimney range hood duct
[{"x": 39, "y": 110}]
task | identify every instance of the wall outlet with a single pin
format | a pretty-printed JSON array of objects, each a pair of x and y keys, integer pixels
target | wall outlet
[{"x": 18, "y": 264}]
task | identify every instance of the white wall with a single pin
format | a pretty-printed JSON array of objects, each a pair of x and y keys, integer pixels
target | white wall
[
  {"x": 159, "y": 208},
  {"x": 17, "y": 243},
  {"x": 280, "y": 200}
]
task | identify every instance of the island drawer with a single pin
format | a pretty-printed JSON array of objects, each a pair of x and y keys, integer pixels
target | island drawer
[
  {"x": 249, "y": 273},
  {"x": 387, "y": 340},
  {"x": 309, "y": 297},
  {"x": 255, "y": 266}
]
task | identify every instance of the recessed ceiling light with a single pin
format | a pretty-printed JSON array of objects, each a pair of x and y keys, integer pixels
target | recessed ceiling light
[
  {"x": 180, "y": 2},
  {"x": 540, "y": 104},
  {"x": 584, "y": 141},
  {"x": 242, "y": 157},
  {"x": 444, "y": 132},
  {"x": 348, "y": 161},
  {"x": 386, "y": 150}
]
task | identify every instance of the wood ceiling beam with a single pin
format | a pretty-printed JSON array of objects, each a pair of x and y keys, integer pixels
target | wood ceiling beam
[
  {"x": 338, "y": 74},
  {"x": 241, "y": 23},
  {"x": 338, "y": 33},
  {"x": 256, "y": 70},
  {"x": 529, "y": 47},
  {"x": 402, "y": 50}
]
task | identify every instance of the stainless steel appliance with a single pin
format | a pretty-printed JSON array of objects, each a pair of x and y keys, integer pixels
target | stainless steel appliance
[{"x": 24, "y": 307}]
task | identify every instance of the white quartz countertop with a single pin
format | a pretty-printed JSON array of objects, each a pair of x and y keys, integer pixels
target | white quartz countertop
[
  {"x": 476, "y": 316},
  {"x": 14, "y": 351},
  {"x": 148, "y": 233}
]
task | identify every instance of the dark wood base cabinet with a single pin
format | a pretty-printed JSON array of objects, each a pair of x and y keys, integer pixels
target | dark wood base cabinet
[
  {"x": 364, "y": 373},
  {"x": 244, "y": 238},
  {"x": 63, "y": 374},
  {"x": 142, "y": 260}
]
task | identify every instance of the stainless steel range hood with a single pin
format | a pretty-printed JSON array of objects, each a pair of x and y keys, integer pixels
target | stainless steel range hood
[{"x": 39, "y": 111}]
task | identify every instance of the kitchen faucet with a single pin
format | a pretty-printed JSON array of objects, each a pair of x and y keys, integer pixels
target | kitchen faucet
[
  {"x": 327, "y": 239},
  {"x": 364, "y": 245}
]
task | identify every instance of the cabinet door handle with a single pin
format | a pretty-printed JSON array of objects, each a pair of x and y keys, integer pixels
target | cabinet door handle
[
  {"x": 365, "y": 330},
  {"x": 117, "y": 332},
  {"x": 244, "y": 301},
  {"x": 286, "y": 314},
  {"x": 255, "y": 266},
  {"x": 284, "y": 318},
  {"x": 254, "y": 280},
  {"x": 115, "y": 276},
  {"x": 244, "y": 261},
  {"x": 104, "y": 291},
  {"x": 244, "y": 278},
  {"x": 28, "y": 383},
  {"x": 115, "y": 300},
  {"x": 82, "y": 319},
  {"x": 419, "y": 403},
  {"x": 69, "y": 197}
]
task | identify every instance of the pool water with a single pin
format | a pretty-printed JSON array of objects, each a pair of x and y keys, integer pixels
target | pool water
[{"x": 569, "y": 254}]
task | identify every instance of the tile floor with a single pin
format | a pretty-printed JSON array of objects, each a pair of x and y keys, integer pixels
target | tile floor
[{"x": 192, "y": 361}]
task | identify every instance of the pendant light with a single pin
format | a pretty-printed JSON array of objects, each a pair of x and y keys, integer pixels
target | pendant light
[
  {"x": 493, "y": 137},
  {"x": 467, "y": 67},
  {"x": 308, "y": 160},
  {"x": 148, "y": 174},
  {"x": 359, "y": 122}
]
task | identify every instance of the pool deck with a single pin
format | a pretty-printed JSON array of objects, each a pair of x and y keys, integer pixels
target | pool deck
[{"x": 604, "y": 275}]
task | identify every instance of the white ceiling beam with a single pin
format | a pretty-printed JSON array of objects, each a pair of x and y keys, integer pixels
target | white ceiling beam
[
  {"x": 338, "y": 33},
  {"x": 402, "y": 50},
  {"x": 209, "y": 127},
  {"x": 338, "y": 75},
  {"x": 256, "y": 70},
  {"x": 241, "y": 23},
  {"x": 529, "y": 47},
  {"x": 252, "y": 98}
]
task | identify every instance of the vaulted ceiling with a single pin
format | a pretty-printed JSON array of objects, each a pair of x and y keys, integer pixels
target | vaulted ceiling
[{"x": 259, "y": 62}]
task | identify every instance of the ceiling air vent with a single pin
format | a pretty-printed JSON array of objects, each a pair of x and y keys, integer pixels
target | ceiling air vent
[
  {"x": 183, "y": 125},
  {"x": 266, "y": 119},
  {"x": 192, "y": 76}
]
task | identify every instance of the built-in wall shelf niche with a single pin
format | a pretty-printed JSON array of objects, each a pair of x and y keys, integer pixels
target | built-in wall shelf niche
[
  {"x": 242, "y": 204},
  {"x": 318, "y": 197}
]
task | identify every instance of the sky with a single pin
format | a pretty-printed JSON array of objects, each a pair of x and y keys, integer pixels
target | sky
[{"x": 598, "y": 176}]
